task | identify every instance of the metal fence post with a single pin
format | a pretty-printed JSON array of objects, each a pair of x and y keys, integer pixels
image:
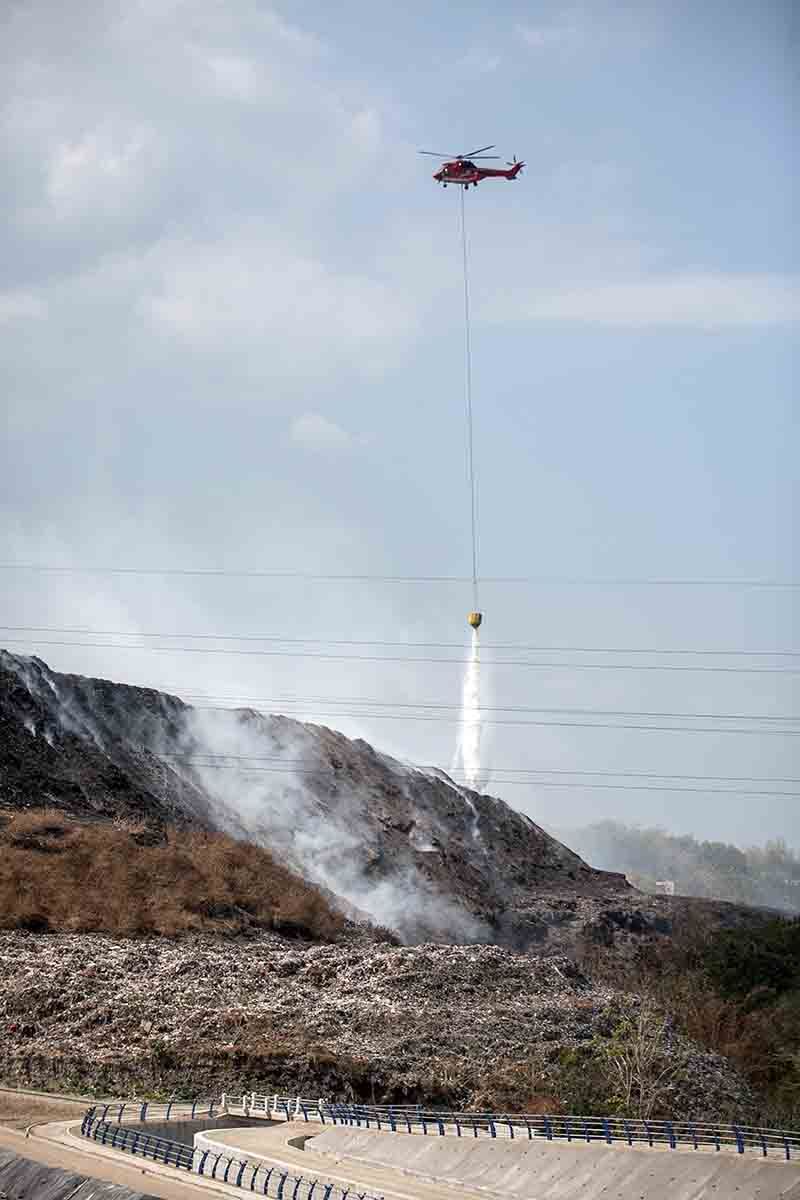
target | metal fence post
[
  {"x": 169, "y": 1110},
  {"x": 240, "y": 1174},
  {"x": 441, "y": 1127},
  {"x": 739, "y": 1139},
  {"x": 607, "y": 1130},
  {"x": 281, "y": 1182},
  {"x": 671, "y": 1135},
  {"x": 492, "y": 1129},
  {"x": 143, "y": 1111},
  {"x": 627, "y": 1129},
  {"x": 297, "y": 1182},
  {"x": 548, "y": 1130}
]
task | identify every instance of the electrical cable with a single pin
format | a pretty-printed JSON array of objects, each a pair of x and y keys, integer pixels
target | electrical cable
[
  {"x": 497, "y": 662},
  {"x": 306, "y": 701},
  {"x": 531, "y": 771},
  {"x": 519, "y": 646},
  {"x": 294, "y": 769},
  {"x": 310, "y": 576},
  {"x": 314, "y": 718}
]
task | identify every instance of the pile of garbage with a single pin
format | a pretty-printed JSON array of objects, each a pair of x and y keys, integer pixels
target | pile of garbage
[{"x": 453, "y": 1025}]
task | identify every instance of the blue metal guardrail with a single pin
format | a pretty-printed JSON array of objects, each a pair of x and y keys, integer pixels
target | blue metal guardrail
[
  {"x": 611, "y": 1130},
  {"x": 570, "y": 1128},
  {"x": 250, "y": 1174}
]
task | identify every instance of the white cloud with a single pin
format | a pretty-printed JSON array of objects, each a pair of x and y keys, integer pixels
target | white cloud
[
  {"x": 699, "y": 300},
  {"x": 253, "y": 287},
  {"x": 596, "y": 26},
  {"x": 479, "y": 62},
  {"x": 549, "y": 37},
  {"x": 20, "y": 305},
  {"x": 315, "y": 432},
  {"x": 235, "y": 76}
]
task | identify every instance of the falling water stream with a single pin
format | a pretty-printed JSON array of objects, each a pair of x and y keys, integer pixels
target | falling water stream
[{"x": 470, "y": 743}]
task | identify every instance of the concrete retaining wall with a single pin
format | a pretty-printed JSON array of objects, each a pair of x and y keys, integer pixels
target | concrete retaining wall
[
  {"x": 22, "y": 1179},
  {"x": 562, "y": 1171}
]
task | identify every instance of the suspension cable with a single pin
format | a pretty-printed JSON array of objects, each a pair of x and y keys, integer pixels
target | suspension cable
[{"x": 468, "y": 398}]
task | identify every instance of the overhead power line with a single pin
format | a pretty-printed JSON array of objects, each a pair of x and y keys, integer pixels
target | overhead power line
[
  {"x": 298, "y": 769},
  {"x": 316, "y": 717},
  {"x": 495, "y": 662},
  {"x": 519, "y": 646},
  {"x": 528, "y": 771},
  {"x": 522, "y": 580},
  {"x": 307, "y": 701}
]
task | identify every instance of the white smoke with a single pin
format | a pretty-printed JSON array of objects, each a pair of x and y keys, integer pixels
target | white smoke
[
  {"x": 262, "y": 772},
  {"x": 269, "y": 779}
]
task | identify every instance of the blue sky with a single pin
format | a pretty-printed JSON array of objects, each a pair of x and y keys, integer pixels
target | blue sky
[{"x": 230, "y": 335}]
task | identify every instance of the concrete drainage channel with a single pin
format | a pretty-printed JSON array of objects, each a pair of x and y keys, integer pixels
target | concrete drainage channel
[
  {"x": 468, "y": 1154},
  {"x": 23, "y": 1179},
  {"x": 204, "y": 1158}
]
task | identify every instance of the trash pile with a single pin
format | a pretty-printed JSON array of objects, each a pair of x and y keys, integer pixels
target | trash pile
[{"x": 434, "y": 1024}]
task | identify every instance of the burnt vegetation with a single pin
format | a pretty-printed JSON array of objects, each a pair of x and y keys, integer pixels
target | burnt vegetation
[{"x": 63, "y": 875}]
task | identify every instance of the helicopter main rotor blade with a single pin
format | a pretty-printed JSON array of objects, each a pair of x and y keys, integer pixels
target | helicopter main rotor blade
[
  {"x": 449, "y": 157},
  {"x": 481, "y": 157},
  {"x": 472, "y": 153}
]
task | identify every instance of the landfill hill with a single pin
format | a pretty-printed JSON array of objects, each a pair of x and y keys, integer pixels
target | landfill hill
[
  {"x": 406, "y": 848},
  {"x": 465, "y": 1026}
]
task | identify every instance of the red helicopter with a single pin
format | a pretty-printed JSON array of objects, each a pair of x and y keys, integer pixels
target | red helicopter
[{"x": 461, "y": 168}]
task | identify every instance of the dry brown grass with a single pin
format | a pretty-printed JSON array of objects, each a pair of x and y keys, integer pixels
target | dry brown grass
[
  {"x": 60, "y": 875},
  {"x": 18, "y": 1110}
]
